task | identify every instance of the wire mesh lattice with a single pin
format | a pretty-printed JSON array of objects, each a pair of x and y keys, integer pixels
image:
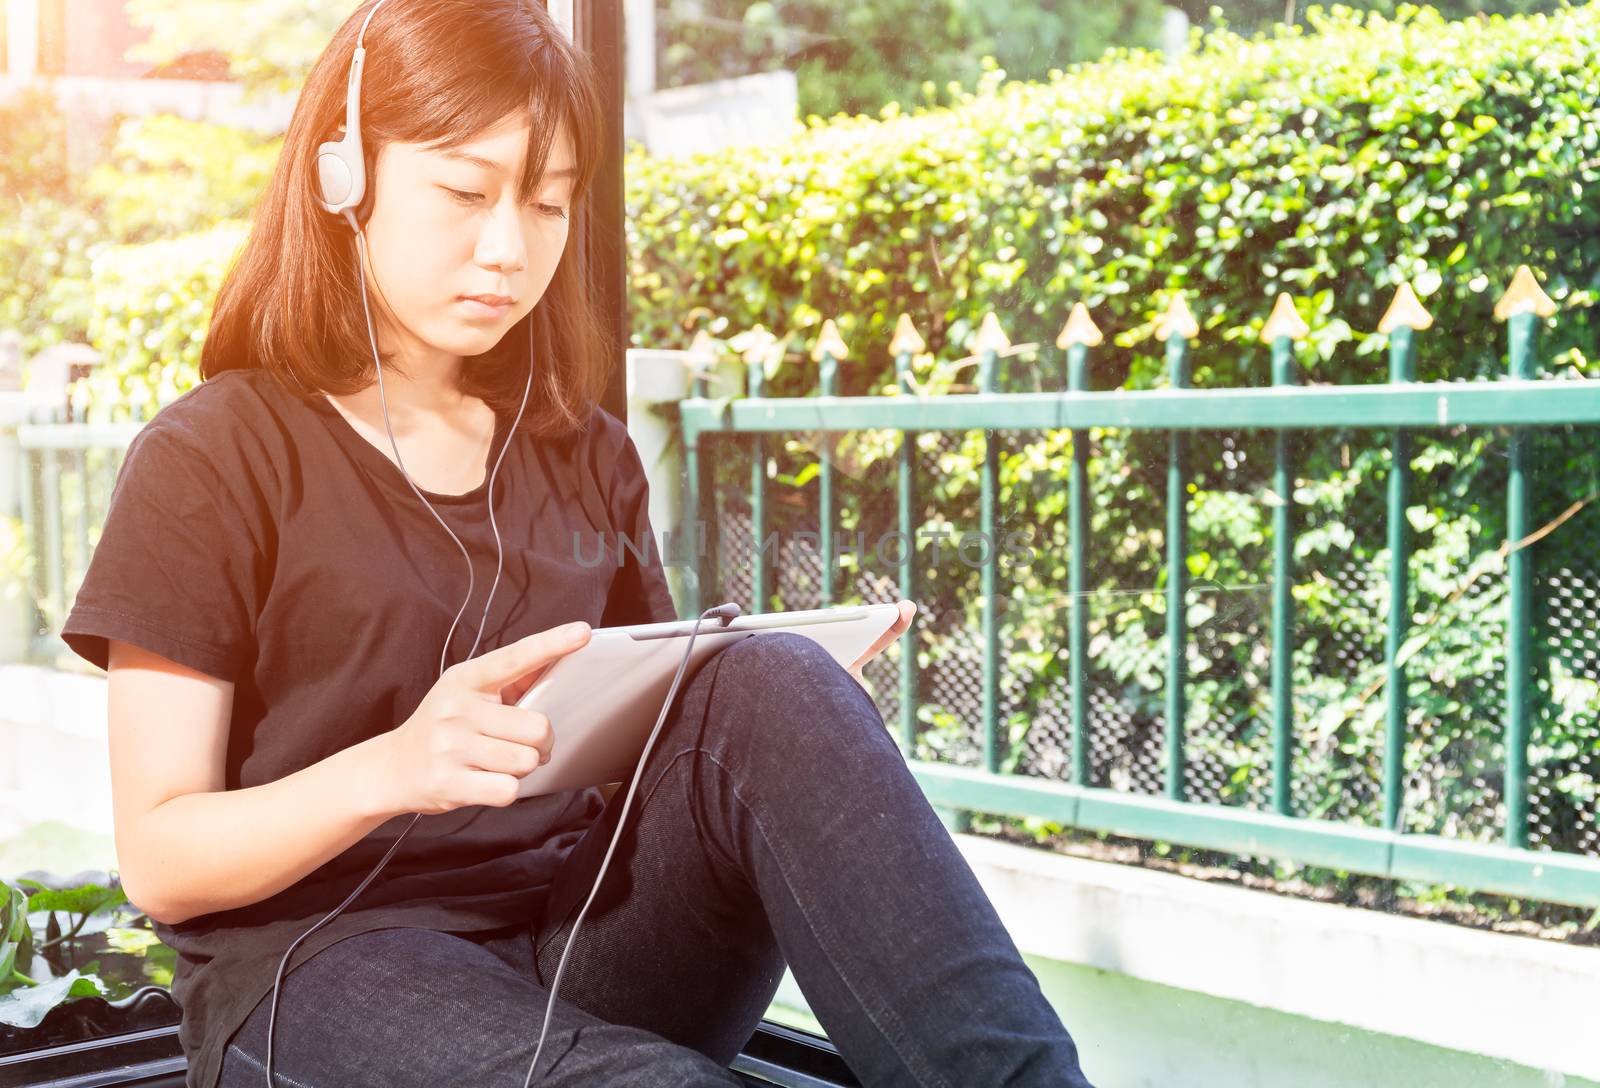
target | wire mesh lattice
[
  {"x": 735, "y": 566},
  {"x": 1458, "y": 609},
  {"x": 950, "y": 714},
  {"x": 1455, "y": 751},
  {"x": 1564, "y": 743},
  {"x": 1564, "y": 756},
  {"x": 1227, "y": 735},
  {"x": 1341, "y": 607},
  {"x": 1126, "y": 742}
]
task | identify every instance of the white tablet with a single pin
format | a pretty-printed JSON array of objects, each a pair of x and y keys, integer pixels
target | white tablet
[{"x": 603, "y": 700}]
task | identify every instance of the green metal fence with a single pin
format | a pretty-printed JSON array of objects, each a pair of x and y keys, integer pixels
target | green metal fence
[
  {"x": 68, "y": 470},
  {"x": 1149, "y": 768}
]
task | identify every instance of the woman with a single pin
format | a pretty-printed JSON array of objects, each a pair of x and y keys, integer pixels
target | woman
[{"x": 270, "y": 596}]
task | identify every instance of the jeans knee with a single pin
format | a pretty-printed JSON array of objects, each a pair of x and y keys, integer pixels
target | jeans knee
[
  {"x": 775, "y": 654},
  {"x": 785, "y": 675}
]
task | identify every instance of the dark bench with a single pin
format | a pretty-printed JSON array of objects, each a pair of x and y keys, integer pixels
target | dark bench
[{"x": 152, "y": 1058}]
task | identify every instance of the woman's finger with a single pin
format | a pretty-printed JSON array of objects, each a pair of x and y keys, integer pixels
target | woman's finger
[{"x": 908, "y": 609}]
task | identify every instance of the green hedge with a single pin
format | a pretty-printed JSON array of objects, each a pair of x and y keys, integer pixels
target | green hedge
[
  {"x": 1330, "y": 165},
  {"x": 152, "y": 307},
  {"x": 163, "y": 177}
]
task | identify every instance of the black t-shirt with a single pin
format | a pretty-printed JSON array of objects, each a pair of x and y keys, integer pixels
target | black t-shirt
[{"x": 254, "y": 535}]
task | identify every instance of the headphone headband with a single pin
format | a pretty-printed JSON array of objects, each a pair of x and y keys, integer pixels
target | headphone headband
[{"x": 341, "y": 165}]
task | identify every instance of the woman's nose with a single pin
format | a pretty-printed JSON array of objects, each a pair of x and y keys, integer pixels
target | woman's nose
[{"x": 502, "y": 245}]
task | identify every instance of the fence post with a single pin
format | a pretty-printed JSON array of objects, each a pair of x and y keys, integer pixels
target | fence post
[
  {"x": 1282, "y": 329},
  {"x": 694, "y": 486},
  {"x": 829, "y": 350},
  {"x": 1177, "y": 327},
  {"x": 1077, "y": 336},
  {"x": 691, "y": 506},
  {"x": 990, "y": 341},
  {"x": 755, "y": 386},
  {"x": 19, "y": 623},
  {"x": 907, "y": 343},
  {"x": 1522, "y": 307},
  {"x": 657, "y": 378},
  {"x": 1404, "y": 317}
]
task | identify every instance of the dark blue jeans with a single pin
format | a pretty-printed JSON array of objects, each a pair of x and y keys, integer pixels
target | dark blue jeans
[{"x": 776, "y": 821}]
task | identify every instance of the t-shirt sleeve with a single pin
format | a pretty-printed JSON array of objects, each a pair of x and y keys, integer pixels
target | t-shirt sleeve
[
  {"x": 177, "y": 569},
  {"x": 639, "y": 592}
]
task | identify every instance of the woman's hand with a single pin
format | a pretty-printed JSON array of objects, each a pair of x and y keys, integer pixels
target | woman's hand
[
  {"x": 467, "y": 743},
  {"x": 908, "y": 609}
]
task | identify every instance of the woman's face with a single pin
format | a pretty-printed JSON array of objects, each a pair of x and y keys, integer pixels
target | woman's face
[{"x": 443, "y": 227}]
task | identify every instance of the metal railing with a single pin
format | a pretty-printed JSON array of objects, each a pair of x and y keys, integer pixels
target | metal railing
[
  {"x": 1401, "y": 406},
  {"x": 66, "y": 473}
]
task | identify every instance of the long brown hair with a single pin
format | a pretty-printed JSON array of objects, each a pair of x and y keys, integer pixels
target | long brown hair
[{"x": 437, "y": 72}]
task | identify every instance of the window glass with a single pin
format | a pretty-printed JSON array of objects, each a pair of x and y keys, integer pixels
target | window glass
[{"x": 1180, "y": 342}]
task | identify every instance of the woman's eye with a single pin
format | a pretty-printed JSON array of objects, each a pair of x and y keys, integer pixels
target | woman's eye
[{"x": 469, "y": 198}]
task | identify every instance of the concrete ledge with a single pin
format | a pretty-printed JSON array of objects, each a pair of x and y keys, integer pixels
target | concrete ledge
[
  {"x": 53, "y": 763},
  {"x": 1501, "y": 996}
]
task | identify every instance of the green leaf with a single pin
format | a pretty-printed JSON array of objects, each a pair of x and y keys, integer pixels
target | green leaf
[{"x": 26, "y": 1006}]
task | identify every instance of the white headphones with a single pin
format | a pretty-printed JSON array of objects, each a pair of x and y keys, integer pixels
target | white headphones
[{"x": 341, "y": 168}]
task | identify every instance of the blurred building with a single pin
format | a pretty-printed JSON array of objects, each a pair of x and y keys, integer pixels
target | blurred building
[{"x": 79, "y": 49}]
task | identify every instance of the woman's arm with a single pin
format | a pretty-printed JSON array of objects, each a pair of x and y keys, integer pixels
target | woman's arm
[{"x": 187, "y": 846}]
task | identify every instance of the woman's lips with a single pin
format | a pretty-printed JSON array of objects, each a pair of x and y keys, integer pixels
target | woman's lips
[{"x": 483, "y": 309}]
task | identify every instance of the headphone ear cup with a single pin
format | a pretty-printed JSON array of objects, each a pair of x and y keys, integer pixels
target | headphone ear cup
[{"x": 338, "y": 175}]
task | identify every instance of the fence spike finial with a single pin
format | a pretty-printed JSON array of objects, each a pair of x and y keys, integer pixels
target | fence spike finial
[
  {"x": 829, "y": 341},
  {"x": 702, "y": 356},
  {"x": 1177, "y": 320},
  {"x": 991, "y": 337},
  {"x": 1285, "y": 320},
  {"x": 1524, "y": 295},
  {"x": 906, "y": 337},
  {"x": 1405, "y": 311},
  {"x": 1079, "y": 329}
]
